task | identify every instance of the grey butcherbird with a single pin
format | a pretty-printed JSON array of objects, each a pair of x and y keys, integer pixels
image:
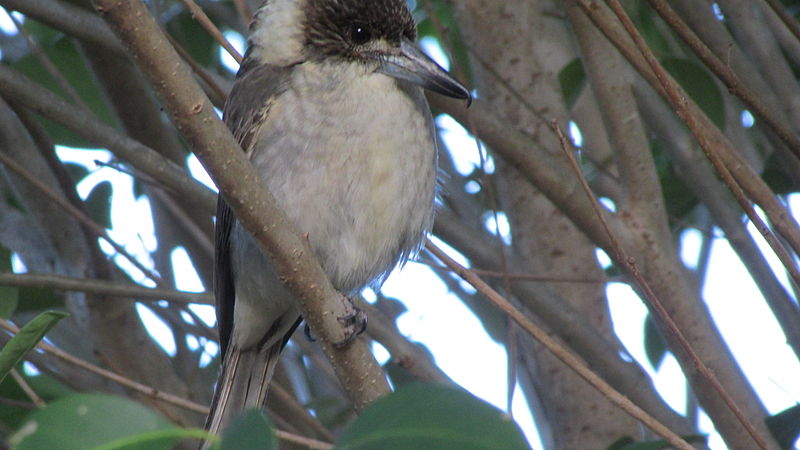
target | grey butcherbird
[{"x": 328, "y": 106}]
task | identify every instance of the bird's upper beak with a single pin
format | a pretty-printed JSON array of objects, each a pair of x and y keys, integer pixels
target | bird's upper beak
[{"x": 412, "y": 65}]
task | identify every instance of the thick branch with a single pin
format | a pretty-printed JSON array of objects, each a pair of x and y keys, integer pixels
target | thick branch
[
  {"x": 71, "y": 19},
  {"x": 15, "y": 86}
]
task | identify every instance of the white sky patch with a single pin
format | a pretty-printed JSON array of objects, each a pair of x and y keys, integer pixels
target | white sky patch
[
  {"x": 17, "y": 266},
  {"x": 7, "y": 25},
  {"x": 131, "y": 218},
  {"x": 431, "y": 47},
  {"x": 239, "y": 43},
  {"x": 750, "y": 329},
  {"x": 462, "y": 146},
  {"x": 199, "y": 172},
  {"x": 497, "y": 223},
  {"x": 575, "y": 134},
  {"x": 186, "y": 279},
  {"x": 157, "y": 328},
  {"x": 691, "y": 239},
  {"x": 747, "y": 119}
]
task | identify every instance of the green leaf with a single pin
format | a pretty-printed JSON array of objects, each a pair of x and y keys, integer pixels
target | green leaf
[
  {"x": 785, "y": 426},
  {"x": 45, "y": 387},
  {"x": 9, "y": 296},
  {"x": 700, "y": 86},
  {"x": 648, "y": 25},
  {"x": 654, "y": 345},
  {"x": 71, "y": 64},
  {"x": 165, "y": 438},
  {"x": 77, "y": 172},
  {"x": 82, "y": 421},
  {"x": 26, "y": 339},
  {"x": 39, "y": 299},
  {"x": 572, "y": 79},
  {"x": 98, "y": 203},
  {"x": 253, "y": 430},
  {"x": 193, "y": 38},
  {"x": 423, "y": 416}
]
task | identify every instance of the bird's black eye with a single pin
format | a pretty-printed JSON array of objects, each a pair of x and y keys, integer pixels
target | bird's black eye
[{"x": 359, "y": 35}]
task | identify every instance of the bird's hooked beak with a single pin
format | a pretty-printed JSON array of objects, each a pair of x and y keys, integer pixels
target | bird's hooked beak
[{"x": 412, "y": 65}]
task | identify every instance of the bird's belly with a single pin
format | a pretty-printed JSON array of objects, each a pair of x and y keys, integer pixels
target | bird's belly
[{"x": 357, "y": 176}]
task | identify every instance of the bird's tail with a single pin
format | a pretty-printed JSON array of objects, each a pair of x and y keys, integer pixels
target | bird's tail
[{"x": 243, "y": 383}]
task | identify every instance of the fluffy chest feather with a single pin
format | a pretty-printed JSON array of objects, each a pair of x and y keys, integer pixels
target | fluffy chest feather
[{"x": 351, "y": 157}]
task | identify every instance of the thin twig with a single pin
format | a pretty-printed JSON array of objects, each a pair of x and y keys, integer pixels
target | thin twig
[
  {"x": 77, "y": 214},
  {"x": 49, "y": 66},
  {"x": 119, "y": 379},
  {"x": 307, "y": 442},
  {"x": 629, "y": 263},
  {"x": 559, "y": 351},
  {"x": 787, "y": 19},
  {"x": 515, "y": 276},
  {"x": 104, "y": 287},
  {"x": 199, "y": 15},
  {"x": 17, "y": 87},
  {"x": 150, "y": 391},
  {"x": 719, "y": 149},
  {"x": 27, "y": 389},
  {"x": 727, "y": 76}
]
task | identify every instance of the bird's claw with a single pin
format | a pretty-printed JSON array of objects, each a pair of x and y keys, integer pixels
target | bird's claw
[{"x": 355, "y": 323}]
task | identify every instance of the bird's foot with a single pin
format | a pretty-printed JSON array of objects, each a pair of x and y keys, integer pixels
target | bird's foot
[{"x": 355, "y": 323}]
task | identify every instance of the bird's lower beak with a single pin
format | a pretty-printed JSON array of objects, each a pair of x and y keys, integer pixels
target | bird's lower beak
[{"x": 414, "y": 66}]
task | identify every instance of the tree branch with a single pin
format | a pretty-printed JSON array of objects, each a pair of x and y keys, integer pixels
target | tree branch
[
  {"x": 559, "y": 351},
  {"x": 104, "y": 287},
  {"x": 17, "y": 87}
]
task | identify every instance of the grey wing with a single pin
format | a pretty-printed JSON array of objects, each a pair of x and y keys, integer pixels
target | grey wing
[{"x": 246, "y": 109}]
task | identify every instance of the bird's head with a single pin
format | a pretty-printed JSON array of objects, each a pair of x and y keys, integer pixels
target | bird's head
[{"x": 379, "y": 34}]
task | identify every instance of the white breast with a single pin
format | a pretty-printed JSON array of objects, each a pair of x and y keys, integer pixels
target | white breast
[{"x": 351, "y": 157}]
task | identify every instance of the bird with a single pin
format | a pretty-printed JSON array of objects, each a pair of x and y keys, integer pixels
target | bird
[{"x": 328, "y": 106}]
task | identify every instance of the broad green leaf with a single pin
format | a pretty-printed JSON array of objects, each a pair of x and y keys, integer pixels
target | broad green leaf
[
  {"x": 71, "y": 64},
  {"x": 331, "y": 411},
  {"x": 679, "y": 199},
  {"x": 165, "y": 438},
  {"x": 654, "y": 345},
  {"x": 253, "y": 430},
  {"x": 83, "y": 421},
  {"x": 785, "y": 426},
  {"x": 9, "y": 296},
  {"x": 98, "y": 203},
  {"x": 423, "y": 416},
  {"x": 700, "y": 86},
  {"x": 777, "y": 174},
  {"x": 45, "y": 387},
  {"x": 26, "y": 339},
  {"x": 39, "y": 299},
  {"x": 193, "y": 38},
  {"x": 77, "y": 172},
  {"x": 9, "y": 299},
  {"x": 648, "y": 25},
  {"x": 572, "y": 79}
]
